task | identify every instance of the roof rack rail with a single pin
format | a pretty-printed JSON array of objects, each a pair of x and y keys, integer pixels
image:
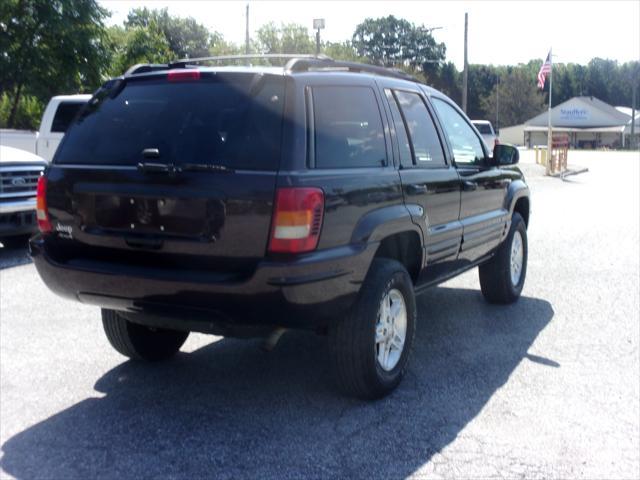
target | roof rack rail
[
  {"x": 314, "y": 64},
  {"x": 145, "y": 68},
  {"x": 220, "y": 58},
  {"x": 295, "y": 63}
]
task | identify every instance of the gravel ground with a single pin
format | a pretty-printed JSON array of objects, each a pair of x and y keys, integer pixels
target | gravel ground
[{"x": 546, "y": 388}]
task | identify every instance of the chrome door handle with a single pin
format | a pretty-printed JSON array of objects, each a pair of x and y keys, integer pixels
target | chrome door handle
[
  {"x": 417, "y": 189},
  {"x": 469, "y": 186}
]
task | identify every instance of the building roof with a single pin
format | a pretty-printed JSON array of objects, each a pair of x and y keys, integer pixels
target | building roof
[{"x": 581, "y": 113}]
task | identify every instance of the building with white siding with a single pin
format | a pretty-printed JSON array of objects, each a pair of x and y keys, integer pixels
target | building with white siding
[{"x": 589, "y": 122}]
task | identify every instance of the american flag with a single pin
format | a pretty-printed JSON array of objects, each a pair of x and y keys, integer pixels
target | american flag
[{"x": 544, "y": 69}]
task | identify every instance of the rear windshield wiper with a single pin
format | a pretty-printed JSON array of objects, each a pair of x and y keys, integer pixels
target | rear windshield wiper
[
  {"x": 154, "y": 167},
  {"x": 172, "y": 169},
  {"x": 205, "y": 167}
]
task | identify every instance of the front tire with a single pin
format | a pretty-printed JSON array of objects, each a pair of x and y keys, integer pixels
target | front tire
[
  {"x": 140, "y": 342},
  {"x": 370, "y": 348},
  {"x": 502, "y": 277}
]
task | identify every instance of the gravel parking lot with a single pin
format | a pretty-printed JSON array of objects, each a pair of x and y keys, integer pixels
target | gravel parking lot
[{"x": 546, "y": 388}]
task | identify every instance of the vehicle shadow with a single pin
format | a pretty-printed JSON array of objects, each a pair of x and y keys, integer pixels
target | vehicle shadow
[
  {"x": 231, "y": 410},
  {"x": 14, "y": 252}
]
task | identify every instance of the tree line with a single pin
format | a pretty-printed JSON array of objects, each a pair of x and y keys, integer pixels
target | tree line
[{"x": 52, "y": 47}]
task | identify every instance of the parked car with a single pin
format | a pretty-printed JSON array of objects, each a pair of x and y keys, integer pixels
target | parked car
[
  {"x": 19, "y": 173},
  {"x": 488, "y": 133},
  {"x": 56, "y": 118},
  {"x": 241, "y": 201}
]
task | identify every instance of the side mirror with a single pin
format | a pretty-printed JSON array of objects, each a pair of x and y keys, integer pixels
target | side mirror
[{"x": 505, "y": 154}]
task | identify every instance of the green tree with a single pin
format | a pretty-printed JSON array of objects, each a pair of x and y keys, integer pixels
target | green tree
[
  {"x": 137, "y": 45},
  {"x": 395, "y": 42},
  {"x": 154, "y": 36},
  {"x": 286, "y": 38},
  {"x": 600, "y": 76},
  {"x": 27, "y": 115},
  {"x": 219, "y": 46},
  {"x": 185, "y": 36},
  {"x": 520, "y": 98},
  {"x": 49, "y": 47},
  {"x": 342, "y": 51},
  {"x": 482, "y": 80},
  {"x": 446, "y": 78}
]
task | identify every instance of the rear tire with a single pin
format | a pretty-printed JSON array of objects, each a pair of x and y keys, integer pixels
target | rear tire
[
  {"x": 370, "y": 348},
  {"x": 501, "y": 280},
  {"x": 140, "y": 342}
]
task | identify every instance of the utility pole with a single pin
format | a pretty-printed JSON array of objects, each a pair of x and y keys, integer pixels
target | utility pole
[
  {"x": 549, "y": 129},
  {"x": 246, "y": 35},
  {"x": 632, "y": 141},
  {"x": 497, "y": 104},
  {"x": 465, "y": 74}
]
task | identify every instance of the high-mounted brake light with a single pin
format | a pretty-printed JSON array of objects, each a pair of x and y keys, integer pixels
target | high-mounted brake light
[
  {"x": 183, "y": 75},
  {"x": 297, "y": 220},
  {"x": 44, "y": 225}
]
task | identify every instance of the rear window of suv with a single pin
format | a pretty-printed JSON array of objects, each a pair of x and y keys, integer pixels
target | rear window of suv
[{"x": 233, "y": 120}]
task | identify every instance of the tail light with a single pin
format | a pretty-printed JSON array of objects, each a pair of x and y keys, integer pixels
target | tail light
[
  {"x": 41, "y": 206},
  {"x": 183, "y": 75},
  {"x": 297, "y": 220}
]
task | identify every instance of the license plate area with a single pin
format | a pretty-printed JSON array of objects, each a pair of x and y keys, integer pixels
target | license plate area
[{"x": 170, "y": 216}]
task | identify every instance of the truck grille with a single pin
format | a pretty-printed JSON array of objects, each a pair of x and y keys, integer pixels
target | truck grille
[{"x": 19, "y": 181}]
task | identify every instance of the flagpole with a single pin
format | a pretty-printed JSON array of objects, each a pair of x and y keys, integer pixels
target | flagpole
[{"x": 549, "y": 131}]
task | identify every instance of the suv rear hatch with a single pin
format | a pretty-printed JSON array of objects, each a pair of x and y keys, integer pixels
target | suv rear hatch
[{"x": 172, "y": 170}]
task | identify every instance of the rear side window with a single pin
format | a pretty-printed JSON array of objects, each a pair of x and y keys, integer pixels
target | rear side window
[
  {"x": 65, "y": 113},
  {"x": 427, "y": 149},
  {"x": 348, "y": 128},
  {"x": 233, "y": 120},
  {"x": 404, "y": 148}
]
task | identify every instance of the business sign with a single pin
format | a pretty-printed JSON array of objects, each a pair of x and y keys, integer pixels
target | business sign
[{"x": 574, "y": 114}]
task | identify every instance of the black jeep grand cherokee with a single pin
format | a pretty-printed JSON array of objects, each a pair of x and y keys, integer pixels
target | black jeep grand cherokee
[{"x": 244, "y": 200}]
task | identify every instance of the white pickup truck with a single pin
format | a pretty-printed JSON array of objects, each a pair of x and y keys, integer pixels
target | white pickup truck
[
  {"x": 19, "y": 173},
  {"x": 55, "y": 121},
  {"x": 23, "y": 156}
]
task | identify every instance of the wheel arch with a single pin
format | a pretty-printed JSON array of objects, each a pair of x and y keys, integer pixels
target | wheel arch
[
  {"x": 398, "y": 237},
  {"x": 522, "y": 207},
  {"x": 404, "y": 247},
  {"x": 518, "y": 200}
]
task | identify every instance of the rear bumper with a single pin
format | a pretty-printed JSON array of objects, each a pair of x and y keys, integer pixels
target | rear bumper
[{"x": 305, "y": 292}]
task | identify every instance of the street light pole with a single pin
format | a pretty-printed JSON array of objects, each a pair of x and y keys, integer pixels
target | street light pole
[
  {"x": 246, "y": 37},
  {"x": 318, "y": 24},
  {"x": 465, "y": 74}
]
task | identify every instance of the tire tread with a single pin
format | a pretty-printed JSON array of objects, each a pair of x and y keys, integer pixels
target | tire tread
[
  {"x": 495, "y": 279},
  {"x": 138, "y": 342},
  {"x": 350, "y": 338}
]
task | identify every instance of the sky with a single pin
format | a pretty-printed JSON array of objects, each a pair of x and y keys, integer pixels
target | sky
[{"x": 499, "y": 33}]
